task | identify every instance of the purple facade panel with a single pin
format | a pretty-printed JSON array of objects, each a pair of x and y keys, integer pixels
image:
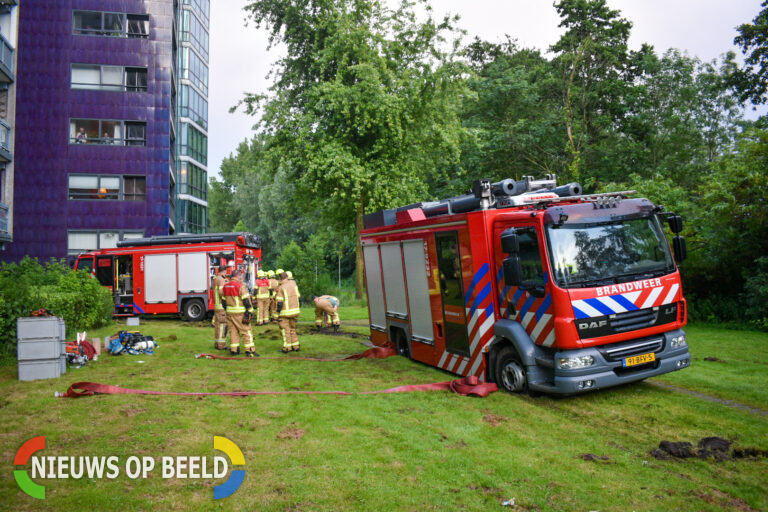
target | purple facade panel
[{"x": 44, "y": 157}]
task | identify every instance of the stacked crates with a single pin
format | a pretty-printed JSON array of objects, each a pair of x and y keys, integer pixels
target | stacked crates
[{"x": 41, "y": 347}]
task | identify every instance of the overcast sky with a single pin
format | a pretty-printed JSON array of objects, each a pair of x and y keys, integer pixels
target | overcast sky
[{"x": 239, "y": 61}]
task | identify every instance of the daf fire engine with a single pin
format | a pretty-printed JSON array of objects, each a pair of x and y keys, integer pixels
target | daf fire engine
[
  {"x": 530, "y": 285},
  {"x": 170, "y": 274}
]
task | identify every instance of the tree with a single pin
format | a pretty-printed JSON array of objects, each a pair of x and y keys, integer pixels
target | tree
[
  {"x": 364, "y": 107},
  {"x": 751, "y": 82}
]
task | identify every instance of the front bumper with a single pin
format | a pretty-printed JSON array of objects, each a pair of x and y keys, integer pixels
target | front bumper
[{"x": 606, "y": 373}]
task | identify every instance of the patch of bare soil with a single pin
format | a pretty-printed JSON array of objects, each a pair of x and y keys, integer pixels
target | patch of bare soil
[
  {"x": 714, "y": 447},
  {"x": 292, "y": 433},
  {"x": 494, "y": 420},
  {"x": 595, "y": 458}
]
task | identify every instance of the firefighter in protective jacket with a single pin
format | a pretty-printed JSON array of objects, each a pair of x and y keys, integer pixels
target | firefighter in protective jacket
[
  {"x": 262, "y": 298},
  {"x": 273, "y": 284},
  {"x": 237, "y": 302},
  {"x": 327, "y": 306},
  {"x": 288, "y": 310},
  {"x": 219, "y": 315}
]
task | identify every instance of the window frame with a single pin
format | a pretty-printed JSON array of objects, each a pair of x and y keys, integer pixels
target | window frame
[
  {"x": 97, "y": 232},
  {"x": 101, "y": 86},
  {"x": 121, "y": 194},
  {"x": 100, "y": 141},
  {"x": 103, "y": 32}
]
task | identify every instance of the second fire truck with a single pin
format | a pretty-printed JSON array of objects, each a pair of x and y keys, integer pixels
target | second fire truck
[{"x": 530, "y": 285}]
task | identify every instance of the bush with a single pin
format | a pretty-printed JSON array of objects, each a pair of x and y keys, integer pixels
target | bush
[{"x": 74, "y": 296}]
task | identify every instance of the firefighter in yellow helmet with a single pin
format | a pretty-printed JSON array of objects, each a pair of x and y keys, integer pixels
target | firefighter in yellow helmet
[
  {"x": 273, "y": 284},
  {"x": 327, "y": 307},
  {"x": 288, "y": 310},
  {"x": 219, "y": 315},
  {"x": 237, "y": 302},
  {"x": 262, "y": 298}
]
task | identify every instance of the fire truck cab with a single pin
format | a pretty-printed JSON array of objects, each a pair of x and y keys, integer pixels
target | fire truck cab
[{"x": 530, "y": 285}]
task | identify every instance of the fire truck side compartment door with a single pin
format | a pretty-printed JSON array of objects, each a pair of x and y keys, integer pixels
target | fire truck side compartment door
[
  {"x": 374, "y": 286},
  {"x": 193, "y": 272},
  {"x": 160, "y": 278},
  {"x": 394, "y": 279},
  {"x": 418, "y": 291}
]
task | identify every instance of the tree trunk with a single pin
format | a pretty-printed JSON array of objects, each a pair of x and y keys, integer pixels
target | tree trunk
[{"x": 359, "y": 277}]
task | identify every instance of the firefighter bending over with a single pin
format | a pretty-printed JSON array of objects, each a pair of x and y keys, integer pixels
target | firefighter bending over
[
  {"x": 262, "y": 298},
  {"x": 327, "y": 311},
  {"x": 219, "y": 315},
  {"x": 237, "y": 302},
  {"x": 288, "y": 310}
]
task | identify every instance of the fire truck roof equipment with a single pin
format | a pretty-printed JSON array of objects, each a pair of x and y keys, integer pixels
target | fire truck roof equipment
[{"x": 246, "y": 239}]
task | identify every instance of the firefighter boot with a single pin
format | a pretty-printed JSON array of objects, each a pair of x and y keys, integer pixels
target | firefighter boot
[
  {"x": 285, "y": 350},
  {"x": 235, "y": 352},
  {"x": 296, "y": 348},
  {"x": 336, "y": 327}
]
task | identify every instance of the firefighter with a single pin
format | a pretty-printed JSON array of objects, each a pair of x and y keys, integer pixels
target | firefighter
[
  {"x": 288, "y": 310},
  {"x": 327, "y": 309},
  {"x": 273, "y": 284},
  {"x": 237, "y": 303},
  {"x": 262, "y": 298},
  {"x": 219, "y": 315}
]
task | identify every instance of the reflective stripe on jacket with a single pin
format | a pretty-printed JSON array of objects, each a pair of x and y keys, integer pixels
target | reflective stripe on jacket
[
  {"x": 235, "y": 294},
  {"x": 262, "y": 291},
  {"x": 288, "y": 294},
  {"x": 218, "y": 291}
]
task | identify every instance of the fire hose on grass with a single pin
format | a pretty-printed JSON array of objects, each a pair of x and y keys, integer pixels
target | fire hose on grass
[{"x": 467, "y": 386}]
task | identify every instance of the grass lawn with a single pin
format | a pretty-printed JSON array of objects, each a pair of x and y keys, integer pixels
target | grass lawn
[{"x": 407, "y": 451}]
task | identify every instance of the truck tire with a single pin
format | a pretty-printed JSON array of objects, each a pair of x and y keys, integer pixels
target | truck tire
[
  {"x": 193, "y": 310},
  {"x": 510, "y": 371}
]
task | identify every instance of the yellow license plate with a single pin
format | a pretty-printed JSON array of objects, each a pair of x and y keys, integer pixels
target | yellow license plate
[{"x": 641, "y": 359}]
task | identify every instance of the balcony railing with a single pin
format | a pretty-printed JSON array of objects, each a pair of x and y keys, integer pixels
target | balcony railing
[{"x": 6, "y": 61}]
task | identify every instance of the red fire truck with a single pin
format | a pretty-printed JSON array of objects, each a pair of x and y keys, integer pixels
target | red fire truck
[
  {"x": 530, "y": 285},
  {"x": 170, "y": 274}
]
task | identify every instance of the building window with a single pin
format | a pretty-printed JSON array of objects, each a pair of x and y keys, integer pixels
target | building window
[
  {"x": 2, "y": 185},
  {"x": 192, "y": 68},
  {"x": 108, "y": 78},
  {"x": 193, "y": 106},
  {"x": 81, "y": 241},
  {"x": 193, "y": 143},
  {"x": 193, "y": 31},
  {"x": 201, "y": 7},
  {"x": 193, "y": 180},
  {"x": 107, "y": 132},
  {"x": 107, "y": 187},
  {"x": 193, "y": 217},
  {"x": 134, "y": 188},
  {"x": 112, "y": 24}
]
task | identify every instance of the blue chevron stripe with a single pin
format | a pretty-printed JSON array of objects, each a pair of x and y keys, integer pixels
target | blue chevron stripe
[
  {"x": 479, "y": 275},
  {"x": 480, "y": 298},
  {"x": 544, "y": 307},
  {"x": 598, "y": 305},
  {"x": 624, "y": 302},
  {"x": 527, "y": 306}
]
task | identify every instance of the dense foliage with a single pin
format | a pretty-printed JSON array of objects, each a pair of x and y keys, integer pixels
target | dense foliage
[
  {"x": 74, "y": 296},
  {"x": 375, "y": 108}
]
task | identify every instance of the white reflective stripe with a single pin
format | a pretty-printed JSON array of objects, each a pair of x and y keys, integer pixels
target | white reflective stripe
[
  {"x": 671, "y": 295},
  {"x": 652, "y": 297},
  {"x": 528, "y": 316},
  {"x": 586, "y": 308},
  {"x": 632, "y": 297},
  {"x": 540, "y": 326},
  {"x": 452, "y": 362},
  {"x": 463, "y": 365},
  {"x": 478, "y": 359},
  {"x": 474, "y": 319},
  {"x": 613, "y": 305},
  {"x": 480, "y": 333},
  {"x": 442, "y": 359},
  {"x": 550, "y": 339}
]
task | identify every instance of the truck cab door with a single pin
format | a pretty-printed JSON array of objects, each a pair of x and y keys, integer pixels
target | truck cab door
[{"x": 452, "y": 292}]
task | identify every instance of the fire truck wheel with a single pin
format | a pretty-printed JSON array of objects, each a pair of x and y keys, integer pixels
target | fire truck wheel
[
  {"x": 193, "y": 310},
  {"x": 510, "y": 371}
]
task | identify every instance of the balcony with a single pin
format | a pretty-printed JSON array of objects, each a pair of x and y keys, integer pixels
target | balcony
[
  {"x": 5, "y": 142},
  {"x": 6, "y": 61},
  {"x": 4, "y": 234}
]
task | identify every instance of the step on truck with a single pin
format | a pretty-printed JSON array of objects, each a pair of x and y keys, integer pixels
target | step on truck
[
  {"x": 170, "y": 274},
  {"x": 533, "y": 286}
]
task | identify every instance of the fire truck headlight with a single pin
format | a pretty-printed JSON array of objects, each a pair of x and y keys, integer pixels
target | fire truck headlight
[
  {"x": 574, "y": 363},
  {"x": 677, "y": 342}
]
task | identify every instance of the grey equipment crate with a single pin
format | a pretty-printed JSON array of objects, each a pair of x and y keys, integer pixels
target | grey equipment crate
[
  {"x": 39, "y": 328},
  {"x": 39, "y": 349},
  {"x": 40, "y": 369}
]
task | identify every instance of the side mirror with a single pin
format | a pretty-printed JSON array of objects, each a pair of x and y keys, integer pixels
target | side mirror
[
  {"x": 509, "y": 242},
  {"x": 513, "y": 272},
  {"x": 681, "y": 251},
  {"x": 675, "y": 223}
]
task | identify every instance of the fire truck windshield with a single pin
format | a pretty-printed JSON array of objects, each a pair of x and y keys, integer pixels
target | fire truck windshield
[{"x": 584, "y": 255}]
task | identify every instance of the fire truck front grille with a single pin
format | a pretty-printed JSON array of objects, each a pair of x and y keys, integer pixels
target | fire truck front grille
[
  {"x": 619, "y": 351},
  {"x": 632, "y": 320}
]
